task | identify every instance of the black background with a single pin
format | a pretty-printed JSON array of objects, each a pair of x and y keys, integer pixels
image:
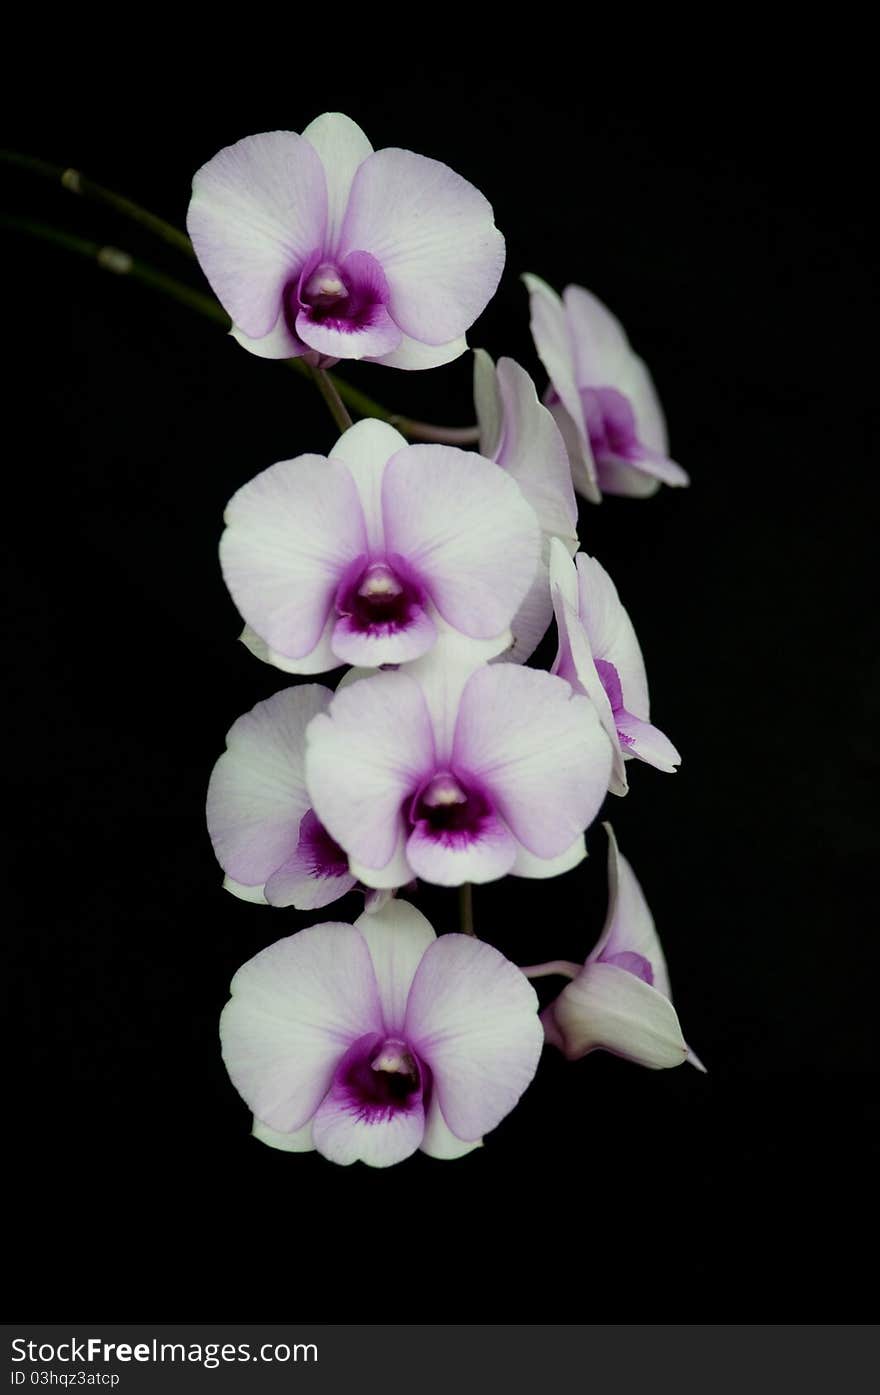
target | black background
[{"x": 722, "y": 220}]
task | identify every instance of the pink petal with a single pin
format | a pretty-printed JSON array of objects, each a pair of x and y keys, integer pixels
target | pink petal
[
  {"x": 258, "y": 209},
  {"x": 363, "y": 758},
  {"x": 342, "y": 147},
  {"x": 294, "y": 883},
  {"x": 601, "y": 349},
  {"x": 540, "y": 868},
  {"x": 541, "y": 753},
  {"x": 434, "y": 236},
  {"x": 648, "y": 743},
  {"x": 383, "y": 644},
  {"x": 295, "y": 1009},
  {"x": 629, "y": 925},
  {"x": 465, "y": 528},
  {"x": 453, "y": 859},
  {"x": 290, "y": 534},
  {"x": 533, "y": 452},
  {"x": 280, "y": 342},
  {"x": 257, "y": 794},
  {"x": 377, "y": 335},
  {"x": 574, "y": 660},
  {"x": 610, "y": 1008},
  {"x": 397, "y": 936},
  {"x": 439, "y": 1141},
  {"x": 551, "y": 334},
  {"x": 611, "y": 633},
  {"x": 344, "y": 1136},
  {"x": 299, "y": 1141},
  {"x": 318, "y": 660},
  {"x": 413, "y": 355},
  {"x": 365, "y": 449},
  {"x": 472, "y": 1017}
]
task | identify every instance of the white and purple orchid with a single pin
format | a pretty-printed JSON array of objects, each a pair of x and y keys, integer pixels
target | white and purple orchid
[
  {"x": 601, "y": 395},
  {"x": 520, "y": 435},
  {"x": 454, "y": 770},
  {"x": 363, "y": 557},
  {"x": 619, "y": 1000},
  {"x": 370, "y": 1041},
  {"x": 267, "y": 838},
  {"x": 434, "y": 572},
  {"x": 317, "y": 244},
  {"x": 599, "y": 655}
]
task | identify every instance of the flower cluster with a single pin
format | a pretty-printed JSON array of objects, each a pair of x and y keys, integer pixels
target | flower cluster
[{"x": 433, "y": 572}]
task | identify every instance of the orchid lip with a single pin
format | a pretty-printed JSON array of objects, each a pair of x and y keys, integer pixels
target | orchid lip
[
  {"x": 380, "y": 1076},
  {"x": 449, "y": 807},
  {"x": 379, "y": 594}
]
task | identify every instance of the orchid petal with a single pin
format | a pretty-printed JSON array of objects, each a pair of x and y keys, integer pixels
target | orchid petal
[
  {"x": 611, "y": 633},
  {"x": 541, "y": 753},
  {"x": 319, "y": 660},
  {"x": 342, "y": 147},
  {"x": 295, "y": 883},
  {"x": 552, "y": 338},
  {"x": 533, "y": 452},
  {"x": 414, "y": 356},
  {"x": 295, "y": 1009},
  {"x": 466, "y": 530},
  {"x": 365, "y": 450},
  {"x": 610, "y": 1008},
  {"x": 299, "y": 1141},
  {"x": 363, "y": 758},
  {"x": 257, "y": 794},
  {"x": 258, "y": 209},
  {"x": 540, "y": 868},
  {"x": 290, "y": 534},
  {"x": 482, "y": 855},
  {"x": 439, "y": 1141},
  {"x": 472, "y": 1017},
  {"x": 397, "y": 936},
  {"x": 344, "y": 1134},
  {"x": 434, "y": 236},
  {"x": 647, "y": 742}
]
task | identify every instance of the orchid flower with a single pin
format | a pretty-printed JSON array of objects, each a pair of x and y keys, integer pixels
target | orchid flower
[
  {"x": 317, "y": 244},
  {"x": 620, "y": 999},
  {"x": 520, "y": 435},
  {"x": 369, "y": 1041},
  {"x": 599, "y": 655},
  {"x": 267, "y": 838},
  {"x": 362, "y": 557},
  {"x": 454, "y": 770},
  {"x": 601, "y": 395}
]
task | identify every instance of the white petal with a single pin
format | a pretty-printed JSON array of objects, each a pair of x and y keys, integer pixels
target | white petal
[
  {"x": 397, "y": 937},
  {"x": 299, "y": 1141},
  {"x": 343, "y": 147}
]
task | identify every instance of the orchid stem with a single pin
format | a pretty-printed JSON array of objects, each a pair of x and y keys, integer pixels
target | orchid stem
[
  {"x": 466, "y": 909},
  {"x": 77, "y": 183},
  {"x": 122, "y": 263},
  {"x": 328, "y": 391},
  {"x": 563, "y": 967}
]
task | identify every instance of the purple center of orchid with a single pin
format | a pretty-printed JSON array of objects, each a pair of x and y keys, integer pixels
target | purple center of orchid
[
  {"x": 320, "y": 853},
  {"x": 448, "y": 809},
  {"x": 379, "y": 1077},
  {"x": 379, "y": 596},
  {"x": 347, "y": 296},
  {"x": 634, "y": 963},
  {"x": 611, "y": 424}
]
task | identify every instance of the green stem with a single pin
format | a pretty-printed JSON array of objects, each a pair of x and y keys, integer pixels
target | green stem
[
  {"x": 77, "y": 183},
  {"x": 328, "y": 390},
  {"x": 121, "y": 263},
  {"x": 466, "y": 909}
]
